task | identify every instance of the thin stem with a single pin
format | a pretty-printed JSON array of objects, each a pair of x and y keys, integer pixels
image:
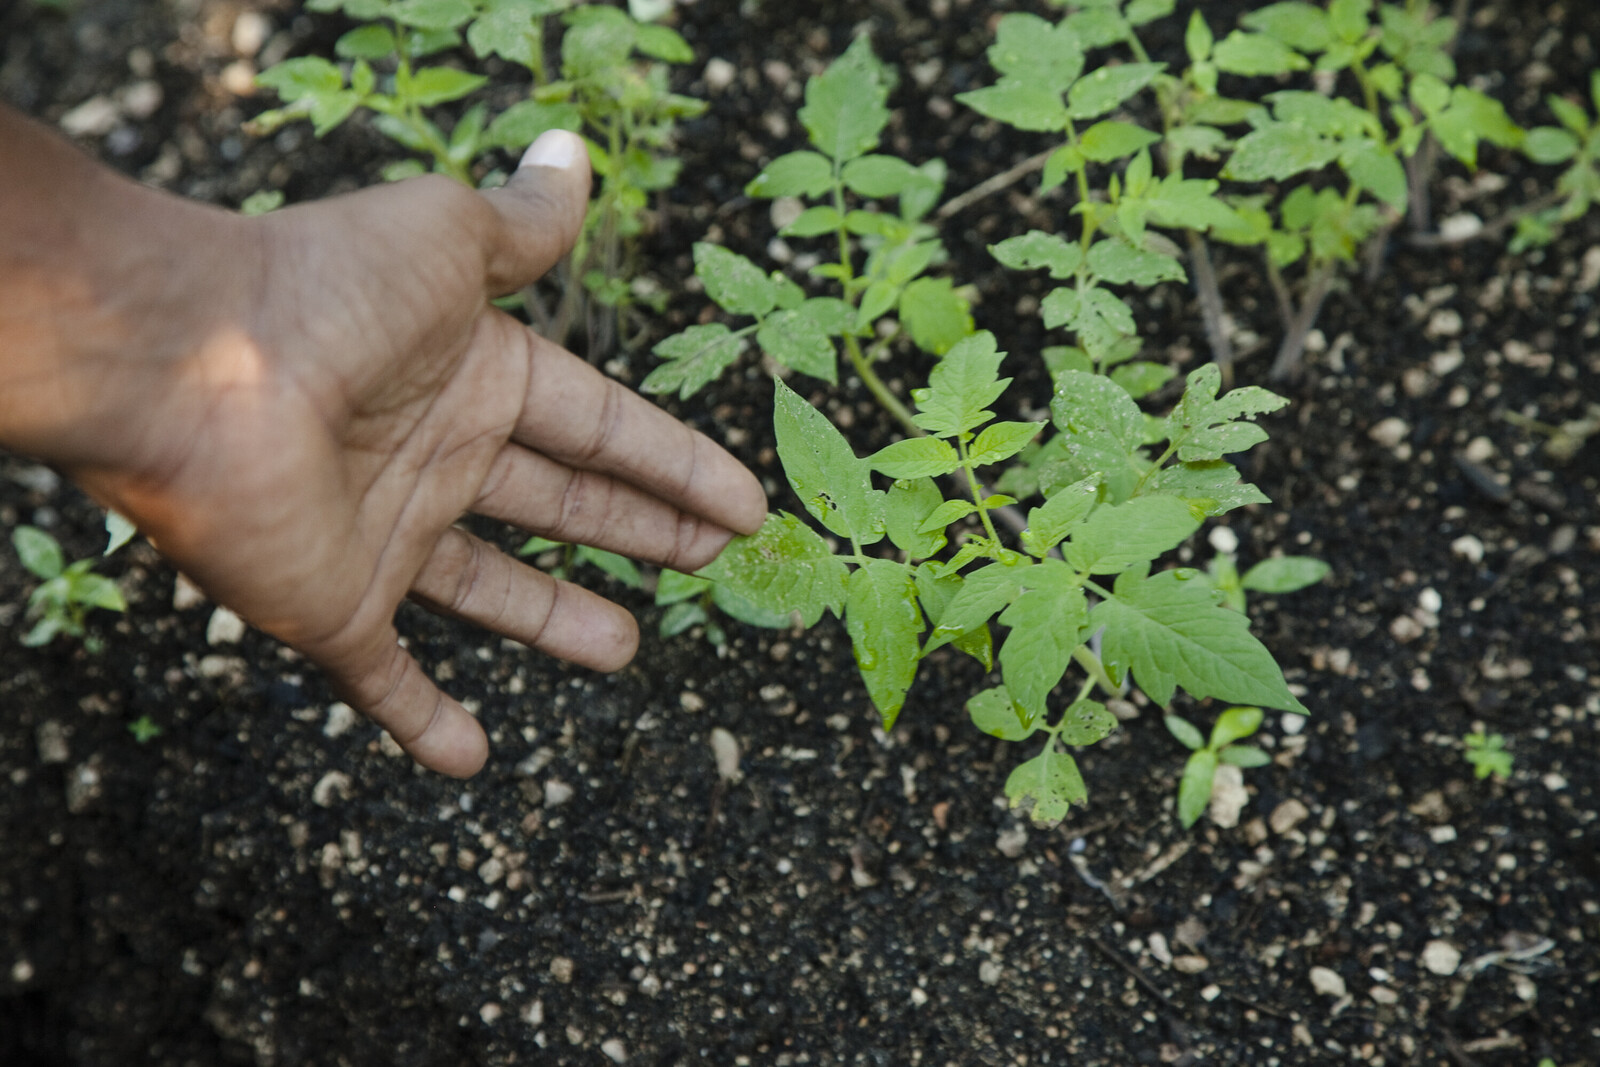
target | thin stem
[
  {"x": 876, "y": 386},
  {"x": 1287, "y": 363},
  {"x": 976, "y": 489}
]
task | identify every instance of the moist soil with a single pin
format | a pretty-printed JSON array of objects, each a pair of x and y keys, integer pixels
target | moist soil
[{"x": 267, "y": 882}]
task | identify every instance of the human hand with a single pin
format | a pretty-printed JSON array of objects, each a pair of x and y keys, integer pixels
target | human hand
[{"x": 349, "y": 393}]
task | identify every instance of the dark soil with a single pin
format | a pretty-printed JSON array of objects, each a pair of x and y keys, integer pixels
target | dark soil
[{"x": 267, "y": 883}]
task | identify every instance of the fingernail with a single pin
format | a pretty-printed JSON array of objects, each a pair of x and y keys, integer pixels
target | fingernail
[{"x": 554, "y": 148}]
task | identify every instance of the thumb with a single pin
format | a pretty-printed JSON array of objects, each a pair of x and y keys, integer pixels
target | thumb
[{"x": 541, "y": 211}]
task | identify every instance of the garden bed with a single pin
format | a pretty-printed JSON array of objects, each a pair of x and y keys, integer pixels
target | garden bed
[{"x": 267, "y": 883}]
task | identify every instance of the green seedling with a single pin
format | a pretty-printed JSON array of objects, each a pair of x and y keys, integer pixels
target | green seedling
[
  {"x": 1280, "y": 574},
  {"x": 913, "y": 559},
  {"x": 1232, "y": 726},
  {"x": 145, "y": 729},
  {"x": 572, "y": 557},
  {"x": 1311, "y": 177},
  {"x": 692, "y": 601},
  {"x": 880, "y": 294},
  {"x": 611, "y": 85},
  {"x": 67, "y": 593},
  {"x": 1487, "y": 754}
]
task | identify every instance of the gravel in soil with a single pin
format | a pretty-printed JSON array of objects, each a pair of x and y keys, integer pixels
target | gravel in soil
[{"x": 268, "y": 882}]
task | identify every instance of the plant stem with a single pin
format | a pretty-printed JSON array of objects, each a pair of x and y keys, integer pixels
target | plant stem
[
  {"x": 977, "y": 490},
  {"x": 1287, "y": 363},
  {"x": 876, "y": 386}
]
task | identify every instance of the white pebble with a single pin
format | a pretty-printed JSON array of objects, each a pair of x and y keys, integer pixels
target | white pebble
[
  {"x": 1390, "y": 432},
  {"x": 1468, "y": 548},
  {"x": 719, "y": 74},
  {"x": 341, "y": 717},
  {"x": 1441, "y": 957},
  {"x": 725, "y": 750},
  {"x": 1327, "y": 982},
  {"x": 95, "y": 117},
  {"x": 225, "y": 628},
  {"x": 557, "y": 793}
]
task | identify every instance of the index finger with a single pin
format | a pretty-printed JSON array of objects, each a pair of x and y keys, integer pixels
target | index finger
[{"x": 578, "y": 416}]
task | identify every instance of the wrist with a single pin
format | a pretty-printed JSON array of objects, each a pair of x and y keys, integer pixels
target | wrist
[{"x": 111, "y": 289}]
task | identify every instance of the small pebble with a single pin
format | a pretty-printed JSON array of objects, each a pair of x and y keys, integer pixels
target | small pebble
[
  {"x": 615, "y": 1050},
  {"x": 989, "y": 972},
  {"x": 719, "y": 74},
  {"x": 341, "y": 717},
  {"x": 95, "y": 117},
  {"x": 725, "y": 750},
  {"x": 557, "y": 793},
  {"x": 561, "y": 969},
  {"x": 1382, "y": 994},
  {"x": 1390, "y": 432},
  {"x": 1228, "y": 796},
  {"x": 1287, "y": 815},
  {"x": 1190, "y": 964},
  {"x": 250, "y": 32},
  {"x": 186, "y": 595},
  {"x": 1468, "y": 548},
  {"x": 1441, "y": 957},
  {"x": 1327, "y": 982},
  {"x": 225, "y": 628},
  {"x": 330, "y": 789},
  {"x": 490, "y": 1013},
  {"x": 1011, "y": 842}
]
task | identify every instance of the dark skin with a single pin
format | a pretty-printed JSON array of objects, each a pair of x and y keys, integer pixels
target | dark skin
[{"x": 296, "y": 410}]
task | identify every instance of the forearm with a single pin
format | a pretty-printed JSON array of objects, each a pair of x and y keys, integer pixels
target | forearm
[{"x": 105, "y": 288}]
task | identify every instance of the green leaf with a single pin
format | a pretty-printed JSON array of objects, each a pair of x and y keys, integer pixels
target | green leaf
[
  {"x": 663, "y": 43},
  {"x": 1213, "y": 484},
  {"x": 910, "y": 502},
  {"x": 915, "y": 457},
  {"x": 748, "y": 611},
  {"x": 1118, "y": 535},
  {"x": 961, "y": 386},
  {"x": 519, "y": 125},
  {"x": 797, "y": 340},
  {"x": 1245, "y": 756},
  {"x": 993, "y": 712},
  {"x": 1106, "y": 88},
  {"x": 1110, "y": 140},
  {"x": 1099, "y": 24},
  {"x": 736, "y": 284},
  {"x": 431, "y": 14},
  {"x": 366, "y": 42},
  {"x": 1099, "y": 318},
  {"x": 935, "y": 313},
  {"x": 1194, "y": 790},
  {"x": 844, "y": 111},
  {"x": 1020, "y": 104},
  {"x": 1567, "y": 113},
  {"x": 1036, "y": 249},
  {"x": 97, "y": 591},
  {"x": 1202, "y": 425},
  {"x": 1064, "y": 509},
  {"x": 39, "y": 552},
  {"x": 674, "y": 586},
  {"x": 1170, "y": 632},
  {"x": 879, "y": 176},
  {"x": 1376, "y": 170},
  {"x": 439, "y": 85},
  {"x": 982, "y": 593},
  {"x": 621, "y": 568},
  {"x": 1197, "y": 38},
  {"x": 1299, "y": 25},
  {"x": 884, "y": 624},
  {"x": 598, "y": 40},
  {"x": 1101, "y": 427},
  {"x": 1086, "y": 722},
  {"x": 1187, "y": 203},
  {"x": 814, "y": 221},
  {"x": 1032, "y": 51},
  {"x": 1051, "y": 781},
  {"x": 1284, "y": 574},
  {"x": 305, "y": 76},
  {"x": 1139, "y": 12},
  {"x": 1473, "y": 116},
  {"x": 794, "y": 174},
  {"x": 680, "y": 617},
  {"x": 783, "y": 567},
  {"x": 1277, "y": 151},
  {"x": 1141, "y": 377},
  {"x": 1116, "y": 261},
  {"x": 1045, "y": 620},
  {"x": 1256, "y": 54},
  {"x": 1234, "y": 724},
  {"x": 697, "y": 356},
  {"x": 1550, "y": 145},
  {"x": 119, "y": 531},
  {"x": 946, "y": 513},
  {"x": 834, "y": 485},
  {"x": 1185, "y": 731},
  {"x": 1002, "y": 440}
]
